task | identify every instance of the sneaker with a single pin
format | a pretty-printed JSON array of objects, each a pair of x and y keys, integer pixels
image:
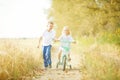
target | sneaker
[
  {"x": 50, "y": 66},
  {"x": 46, "y": 68}
]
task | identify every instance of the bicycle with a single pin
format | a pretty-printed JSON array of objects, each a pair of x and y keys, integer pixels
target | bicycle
[{"x": 64, "y": 61}]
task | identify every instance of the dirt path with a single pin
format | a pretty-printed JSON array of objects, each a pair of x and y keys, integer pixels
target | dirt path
[{"x": 58, "y": 74}]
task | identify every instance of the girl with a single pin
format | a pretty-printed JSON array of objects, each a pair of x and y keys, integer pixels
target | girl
[{"x": 65, "y": 41}]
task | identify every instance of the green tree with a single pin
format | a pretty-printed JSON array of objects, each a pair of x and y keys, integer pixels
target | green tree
[{"x": 86, "y": 17}]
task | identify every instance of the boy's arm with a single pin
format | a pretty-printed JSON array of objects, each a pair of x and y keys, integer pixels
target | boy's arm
[
  {"x": 40, "y": 39},
  {"x": 57, "y": 39},
  {"x": 39, "y": 42},
  {"x": 54, "y": 37}
]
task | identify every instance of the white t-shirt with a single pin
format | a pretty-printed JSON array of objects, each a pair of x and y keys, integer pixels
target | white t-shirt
[
  {"x": 48, "y": 37},
  {"x": 65, "y": 42}
]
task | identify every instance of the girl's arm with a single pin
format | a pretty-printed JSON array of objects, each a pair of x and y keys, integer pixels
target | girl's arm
[{"x": 74, "y": 42}]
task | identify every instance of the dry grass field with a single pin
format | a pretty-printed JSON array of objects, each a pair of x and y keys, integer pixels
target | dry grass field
[{"x": 18, "y": 58}]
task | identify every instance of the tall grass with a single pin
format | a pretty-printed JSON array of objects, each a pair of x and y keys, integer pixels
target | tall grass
[
  {"x": 18, "y": 58},
  {"x": 102, "y": 60}
]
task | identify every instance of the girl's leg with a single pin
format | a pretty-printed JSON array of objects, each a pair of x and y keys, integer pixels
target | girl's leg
[
  {"x": 59, "y": 54},
  {"x": 69, "y": 58}
]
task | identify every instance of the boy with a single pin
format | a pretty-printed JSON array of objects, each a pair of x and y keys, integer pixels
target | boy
[{"x": 47, "y": 38}]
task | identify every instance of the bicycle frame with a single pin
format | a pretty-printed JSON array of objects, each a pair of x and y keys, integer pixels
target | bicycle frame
[{"x": 64, "y": 60}]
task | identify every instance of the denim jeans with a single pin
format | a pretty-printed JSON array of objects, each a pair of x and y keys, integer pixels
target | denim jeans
[{"x": 47, "y": 55}]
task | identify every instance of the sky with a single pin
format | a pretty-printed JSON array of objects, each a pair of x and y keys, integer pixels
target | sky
[{"x": 23, "y": 18}]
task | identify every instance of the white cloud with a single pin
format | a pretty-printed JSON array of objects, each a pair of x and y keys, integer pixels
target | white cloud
[{"x": 22, "y": 18}]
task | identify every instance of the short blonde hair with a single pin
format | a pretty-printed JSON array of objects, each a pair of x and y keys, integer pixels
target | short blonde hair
[
  {"x": 50, "y": 22},
  {"x": 66, "y": 28}
]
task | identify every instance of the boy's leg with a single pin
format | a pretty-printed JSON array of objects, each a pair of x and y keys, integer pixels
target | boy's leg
[
  {"x": 49, "y": 61},
  {"x": 45, "y": 57}
]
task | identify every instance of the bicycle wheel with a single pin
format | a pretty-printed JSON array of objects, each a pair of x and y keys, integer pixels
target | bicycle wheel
[{"x": 64, "y": 63}]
